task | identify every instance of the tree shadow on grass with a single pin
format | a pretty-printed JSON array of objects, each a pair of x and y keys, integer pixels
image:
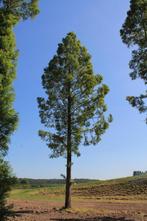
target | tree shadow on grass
[
  {"x": 11, "y": 213},
  {"x": 5, "y": 211},
  {"x": 96, "y": 219},
  {"x": 19, "y": 213},
  {"x": 100, "y": 218}
]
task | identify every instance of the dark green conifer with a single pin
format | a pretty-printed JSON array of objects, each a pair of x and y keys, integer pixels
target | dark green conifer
[
  {"x": 134, "y": 33},
  {"x": 11, "y": 12},
  {"x": 73, "y": 109}
]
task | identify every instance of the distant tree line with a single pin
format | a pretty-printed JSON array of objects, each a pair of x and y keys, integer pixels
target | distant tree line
[{"x": 36, "y": 183}]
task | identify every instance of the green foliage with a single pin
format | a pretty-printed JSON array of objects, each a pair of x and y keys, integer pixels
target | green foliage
[
  {"x": 11, "y": 12},
  {"x": 20, "y": 9},
  {"x": 75, "y": 97},
  {"x": 8, "y": 56},
  {"x": 134, "y": 33},
  {"x": 6, "y": 182}
]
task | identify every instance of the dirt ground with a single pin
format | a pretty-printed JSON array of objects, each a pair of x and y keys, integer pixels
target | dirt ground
[{"x": 82, "y": 210}]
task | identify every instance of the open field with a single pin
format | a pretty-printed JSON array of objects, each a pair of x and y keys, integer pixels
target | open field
[{"x": 120, "y": 199}]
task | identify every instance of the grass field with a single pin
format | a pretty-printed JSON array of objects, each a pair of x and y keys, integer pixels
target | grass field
[
  {"x": 134, "y": 188},
  {"x": 53, "y": 192}
]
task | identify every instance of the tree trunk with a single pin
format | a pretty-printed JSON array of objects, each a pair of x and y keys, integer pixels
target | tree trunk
[
  {"x": 69, "y": 156},
  {"x": 68, "y": 182}
]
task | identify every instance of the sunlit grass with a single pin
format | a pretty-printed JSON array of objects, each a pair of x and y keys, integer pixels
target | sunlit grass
[{"x": 124, "y": 189}]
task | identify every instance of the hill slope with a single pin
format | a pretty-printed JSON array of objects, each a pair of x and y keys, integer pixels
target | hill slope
[
  {"x": 124, "y": 188},
  {"x": 118, "y": 187}
]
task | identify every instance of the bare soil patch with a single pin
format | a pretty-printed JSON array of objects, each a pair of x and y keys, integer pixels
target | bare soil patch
[{"x": 82, "y": 210}]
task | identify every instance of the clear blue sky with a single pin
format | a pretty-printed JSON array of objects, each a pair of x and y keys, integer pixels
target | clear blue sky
[{"x": 96, "y": 22}]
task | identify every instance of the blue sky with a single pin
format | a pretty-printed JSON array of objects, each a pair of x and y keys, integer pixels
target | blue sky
[{"x": 124, "y": 146}]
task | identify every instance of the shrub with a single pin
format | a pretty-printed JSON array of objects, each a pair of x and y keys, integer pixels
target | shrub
[{"x": 6, "y": 182}]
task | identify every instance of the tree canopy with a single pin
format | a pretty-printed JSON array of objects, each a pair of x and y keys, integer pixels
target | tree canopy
[
  {"x": 134, "y": 33},
  {"x": 20, "y": 9},
  {"x": 11, "y": 12},
  {"x": 70, "y": 73}
]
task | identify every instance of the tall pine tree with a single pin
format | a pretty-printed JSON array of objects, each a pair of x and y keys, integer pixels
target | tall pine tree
[
  {"x": 134, "y": 33},
  {"x": 73, "y": 109},
  {"x": 11, "y": 12}
]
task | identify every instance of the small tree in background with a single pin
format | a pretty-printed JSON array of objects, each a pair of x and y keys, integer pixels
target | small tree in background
[
  {"x": 134, "y": 33},
  {"x": 6, "y": 182},
  {"x": 73, "y": 110},
  {"x": 11, "y": 12}
]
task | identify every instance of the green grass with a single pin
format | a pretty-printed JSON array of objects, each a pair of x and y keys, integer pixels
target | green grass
[{"x": 47, "y": 194}]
